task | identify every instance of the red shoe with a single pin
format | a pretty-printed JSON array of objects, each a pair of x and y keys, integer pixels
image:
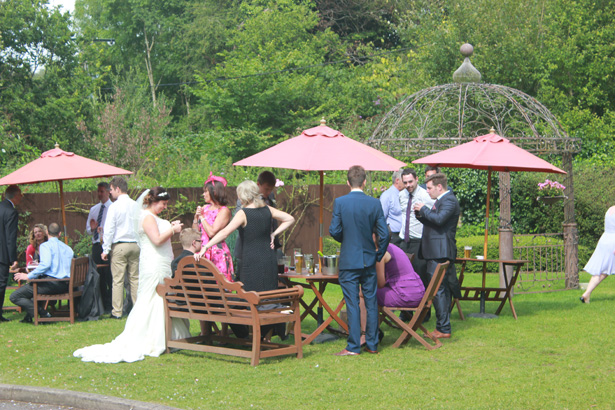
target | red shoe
[{"x": 345, "y": 353}]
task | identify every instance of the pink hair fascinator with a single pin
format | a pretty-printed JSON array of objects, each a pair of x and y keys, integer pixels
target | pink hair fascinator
[{"x": 212, "y": 178}]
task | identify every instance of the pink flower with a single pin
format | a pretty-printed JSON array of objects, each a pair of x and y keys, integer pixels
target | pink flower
[{"x": 279, "y": 183}]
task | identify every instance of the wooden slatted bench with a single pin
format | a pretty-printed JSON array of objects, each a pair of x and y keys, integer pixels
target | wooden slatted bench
[{"x": 200, "y": 292}]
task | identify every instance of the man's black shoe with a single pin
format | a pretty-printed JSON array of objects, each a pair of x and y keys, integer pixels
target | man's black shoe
[
  {"x": 43, "y": 314},
  {"x": 26, "y": 319}
]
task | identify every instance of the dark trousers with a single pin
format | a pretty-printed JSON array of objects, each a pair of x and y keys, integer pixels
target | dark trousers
[
  {"x": 350, "y": 280},
  {"x": 104, "y": 273},
  {"x": 395, "y": 239},
  {"x": 4, "y": 280},
  {"x": 442, "y": 300},
  {"x": 419, "y": 264},
  {"x": 23, "y": 296}
]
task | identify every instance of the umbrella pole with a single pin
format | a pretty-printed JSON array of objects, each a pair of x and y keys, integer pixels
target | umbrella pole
[
  {"x": 487, "y": 218},
  {"x": 63, "y": 210},
  {"x": 322, "y": 201}
]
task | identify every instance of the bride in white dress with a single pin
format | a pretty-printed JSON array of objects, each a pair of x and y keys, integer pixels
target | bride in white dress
[{"x": 144, "y": 334}]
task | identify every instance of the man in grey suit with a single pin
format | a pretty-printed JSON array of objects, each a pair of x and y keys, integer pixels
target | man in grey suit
[
  {"x": 8, "y": 238},
  {"x": 439, "y": 245}
]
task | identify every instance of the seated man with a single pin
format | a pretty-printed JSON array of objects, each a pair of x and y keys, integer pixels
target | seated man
[
  {"x": 55, "y": 263},
  {"x": 191, "y": 242}
]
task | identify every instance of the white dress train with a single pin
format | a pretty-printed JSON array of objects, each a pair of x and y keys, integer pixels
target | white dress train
[{"x": 144, "y": 334}]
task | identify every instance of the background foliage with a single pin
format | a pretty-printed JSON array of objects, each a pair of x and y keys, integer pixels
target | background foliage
[{"x": 174, "y": 89}]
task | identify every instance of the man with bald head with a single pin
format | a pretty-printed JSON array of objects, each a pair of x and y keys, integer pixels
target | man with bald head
[{"x": 56, "y": 258}]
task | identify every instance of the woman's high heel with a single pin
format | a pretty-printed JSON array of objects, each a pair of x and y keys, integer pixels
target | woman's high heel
[{"x": 582, "y": 299}]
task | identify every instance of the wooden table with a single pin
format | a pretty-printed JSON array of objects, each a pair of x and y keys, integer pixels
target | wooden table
[
  {"x": 317, "y": 283},
  {"x": 490, "y": 294}
]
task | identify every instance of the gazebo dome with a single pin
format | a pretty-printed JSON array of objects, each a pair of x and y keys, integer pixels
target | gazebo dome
[{"x": 439, "y": 117}]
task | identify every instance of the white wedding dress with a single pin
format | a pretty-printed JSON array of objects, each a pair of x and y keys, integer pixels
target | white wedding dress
[{"x": 144, "y": 334}]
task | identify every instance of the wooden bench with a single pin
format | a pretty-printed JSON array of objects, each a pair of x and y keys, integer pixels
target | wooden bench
[
  {"x": 200, "y": 292},
  {"x": 78, "y": 272}
]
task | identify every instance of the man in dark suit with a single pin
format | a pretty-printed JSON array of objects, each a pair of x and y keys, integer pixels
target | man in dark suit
[
  {"x": 439, "y": 245},
  {"x": 355, "y": 217},
  {"x": 8, "y": 238}
]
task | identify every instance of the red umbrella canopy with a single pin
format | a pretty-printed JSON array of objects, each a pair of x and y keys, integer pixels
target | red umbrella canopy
[
  {"x": 322, "y": 149},
  {"x": 59, "y": 165},
  {"x": 489, "y": 152}
]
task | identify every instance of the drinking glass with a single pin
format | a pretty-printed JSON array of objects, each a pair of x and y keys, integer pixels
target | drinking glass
[{"x": 308, "y": 260}]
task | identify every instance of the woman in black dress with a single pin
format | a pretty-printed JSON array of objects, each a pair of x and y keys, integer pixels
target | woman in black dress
[{"x": 259, "y": 266}]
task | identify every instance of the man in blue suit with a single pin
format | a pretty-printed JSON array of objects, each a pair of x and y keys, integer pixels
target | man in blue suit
[{"x": 355, "y": 217}]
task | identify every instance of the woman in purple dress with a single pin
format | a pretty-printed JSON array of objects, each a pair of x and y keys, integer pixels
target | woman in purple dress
[{"x": 398, "y": 284}]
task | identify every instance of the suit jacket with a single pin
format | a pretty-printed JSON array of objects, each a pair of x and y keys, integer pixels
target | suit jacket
[
  {"x": 8, "y": 232},
  {"x": 440, "y": 228},
  {"x": 354, "y": 217}
]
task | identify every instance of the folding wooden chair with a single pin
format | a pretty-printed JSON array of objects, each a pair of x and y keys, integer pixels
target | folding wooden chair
[{"x": 418, "y": 313}]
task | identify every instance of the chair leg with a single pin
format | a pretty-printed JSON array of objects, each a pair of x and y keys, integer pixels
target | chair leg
[
  {"x": 298, "y": 339},
  {"x": 35, "y": 301},
  {"x": 256, "y": 344}
]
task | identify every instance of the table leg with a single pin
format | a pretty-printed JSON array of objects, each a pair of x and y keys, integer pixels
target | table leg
[
  {"x": 508, "y": 291},
  {"x": 325, "y": 324},
  {"x": 482, "y": 294}
]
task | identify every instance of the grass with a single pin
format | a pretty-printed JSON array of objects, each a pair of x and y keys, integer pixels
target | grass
[{"x": 558, "y": 355}]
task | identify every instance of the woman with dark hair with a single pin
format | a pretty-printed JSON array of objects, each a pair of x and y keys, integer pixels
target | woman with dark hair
[
  {"x": 144, "y": 334},
  {"x": 210, "y": 219},
  {"x": 38, "y": 235}
]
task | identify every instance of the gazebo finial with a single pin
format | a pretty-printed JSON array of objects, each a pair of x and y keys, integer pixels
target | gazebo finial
[
  {"x": 323, "y": 121},
  {"x": 466, "y": 73},
  {"x": 57, "y": 145},
  {"x": 492, "y": 130}
]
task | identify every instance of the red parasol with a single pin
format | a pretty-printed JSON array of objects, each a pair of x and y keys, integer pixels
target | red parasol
[
  {"x": 492, "y": 153},
  {"x": 58, "y": 165},
  {"x": 322, "y": 149}
]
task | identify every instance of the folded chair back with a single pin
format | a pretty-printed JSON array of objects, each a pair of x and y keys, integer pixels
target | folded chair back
[{"x": 418, "y": 313}]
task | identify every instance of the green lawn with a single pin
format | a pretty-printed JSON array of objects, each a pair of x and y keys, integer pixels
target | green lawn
[{"x": 558, "y": 355}]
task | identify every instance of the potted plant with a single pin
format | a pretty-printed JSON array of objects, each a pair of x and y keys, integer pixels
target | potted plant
[{"x": 550, "y": 191}]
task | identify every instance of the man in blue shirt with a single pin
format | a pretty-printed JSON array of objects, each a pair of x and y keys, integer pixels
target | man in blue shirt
[
  {"x": 392, "y": 208},
  {"x": 56, "y": 258}
]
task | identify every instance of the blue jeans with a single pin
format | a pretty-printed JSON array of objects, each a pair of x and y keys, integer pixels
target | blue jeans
[{"x": 350, "y": 280}]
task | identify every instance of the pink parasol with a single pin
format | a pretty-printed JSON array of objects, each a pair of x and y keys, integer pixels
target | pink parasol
[
  {"x": 322, "y": 149},
  {"x": 492, "y": 153},
  {"x": 59, "y": 165}
]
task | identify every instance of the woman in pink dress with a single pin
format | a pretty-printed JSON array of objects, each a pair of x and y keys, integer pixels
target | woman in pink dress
[{"x": 210, "y": 219}]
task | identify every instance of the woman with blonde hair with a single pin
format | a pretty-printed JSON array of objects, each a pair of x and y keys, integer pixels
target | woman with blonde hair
[
  {"x": 259, "y": 267},
  {"x": 38, "y": 235}
]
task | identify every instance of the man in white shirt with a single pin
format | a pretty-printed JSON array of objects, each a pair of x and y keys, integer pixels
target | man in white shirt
[
  {"x": 391, "y": 207},
  {"x": 94, "y": 228},
  {"x": 411, "y": 228},
  {"x": 120, "y": 239}
]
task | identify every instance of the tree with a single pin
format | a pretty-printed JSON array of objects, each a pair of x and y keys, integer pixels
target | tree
[{"x": 42, "y": 86}]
